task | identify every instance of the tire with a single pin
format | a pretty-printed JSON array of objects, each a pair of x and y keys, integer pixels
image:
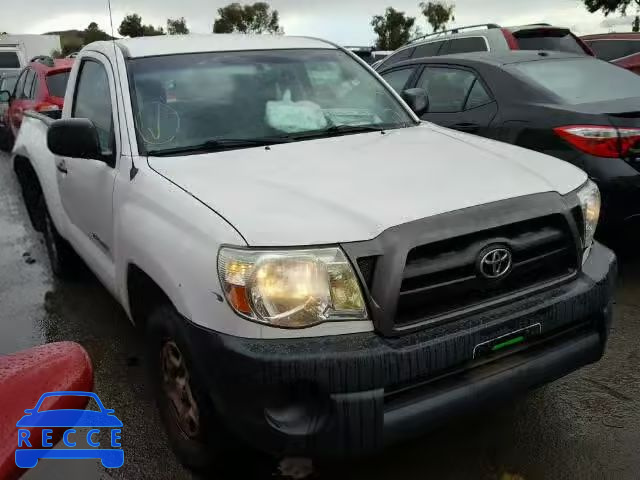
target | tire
[
  {"x": 62, "y": 258},
  {"x": 197, "y": 437}
]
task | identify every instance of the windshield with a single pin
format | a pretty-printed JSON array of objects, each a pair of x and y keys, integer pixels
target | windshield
[
  {"x": 580, "y": 80},
  {"x": 57, "y": 84},
  {"x": 182, "y": 101}
]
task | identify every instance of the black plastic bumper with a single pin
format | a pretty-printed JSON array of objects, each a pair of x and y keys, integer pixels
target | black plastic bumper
[{"x": 353, "y": 394}]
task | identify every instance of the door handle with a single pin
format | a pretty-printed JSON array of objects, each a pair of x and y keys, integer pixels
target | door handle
[
  {"x": 62, "y": 166},
  {"x": 466, "y": 127}
]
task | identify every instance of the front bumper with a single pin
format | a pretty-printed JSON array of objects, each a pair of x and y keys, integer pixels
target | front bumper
[{"x": 353, "y": 394}]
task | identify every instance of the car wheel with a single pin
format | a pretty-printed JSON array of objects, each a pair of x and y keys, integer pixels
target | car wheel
[
  {"x": 64, "y": 261},
  {"x": 198, "y": 438}
]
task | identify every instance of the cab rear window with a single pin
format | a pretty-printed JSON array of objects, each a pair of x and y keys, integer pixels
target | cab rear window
[
  {"x": 57, "y": 84},
  {"x": 555, "y": 39},
  {"x": 9, "y": 60}
]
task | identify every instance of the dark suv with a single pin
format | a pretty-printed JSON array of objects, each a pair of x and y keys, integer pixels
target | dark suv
[{"x": 489, "y": 37}]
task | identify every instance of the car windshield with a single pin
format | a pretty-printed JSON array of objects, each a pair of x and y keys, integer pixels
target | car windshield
[
  {"x": 237, "y": 99},
  {"x": 579, "y": 80},
  {"x": 57, "y": 84}
]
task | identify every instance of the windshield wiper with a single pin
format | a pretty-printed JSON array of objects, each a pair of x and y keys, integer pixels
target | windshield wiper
[
  {"x": 339, "y": 130},
  {"x": 218, "y": 144}
]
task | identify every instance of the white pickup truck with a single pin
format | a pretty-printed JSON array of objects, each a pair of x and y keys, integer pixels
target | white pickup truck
[{"x": 317, "y": 272}]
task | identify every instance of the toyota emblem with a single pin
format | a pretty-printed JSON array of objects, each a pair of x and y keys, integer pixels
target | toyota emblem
[{"x": 495, "y": 262}]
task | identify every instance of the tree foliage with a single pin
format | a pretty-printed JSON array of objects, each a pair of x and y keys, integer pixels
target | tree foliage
[
  {"x": 256, "y": 18},
  {"x": 393, "y": 29},
  {"x": 610, "y": 6},
  {"x": 132, "y": 26},
  {"x": 635, "y": 26},
  {"x": 177, "y": 26},
  {"x": 438, "y": 14},
  {"x": 93, "y": 33}
]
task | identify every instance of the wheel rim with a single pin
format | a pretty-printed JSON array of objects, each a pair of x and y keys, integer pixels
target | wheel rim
[
  {"x": 52, "y": 248},
  {"x": 177, "y": 388}
]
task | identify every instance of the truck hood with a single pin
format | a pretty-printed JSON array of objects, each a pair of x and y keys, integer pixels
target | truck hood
[{"x": 353, "y": 187}]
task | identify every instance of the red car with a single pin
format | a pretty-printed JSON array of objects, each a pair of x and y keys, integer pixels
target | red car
[
  {"x": 41, "y": 88},
  {"x": 622, "y": 49}
]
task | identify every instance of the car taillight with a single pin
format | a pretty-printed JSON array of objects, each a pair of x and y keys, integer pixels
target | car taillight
[
  {"x": 601, "y": 141},
  {"x": 512, "y": 41},
  {"x": 46, "y": 107}
]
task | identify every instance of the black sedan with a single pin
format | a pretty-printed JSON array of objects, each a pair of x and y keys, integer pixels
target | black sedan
[{"x": 576, "y": 108}]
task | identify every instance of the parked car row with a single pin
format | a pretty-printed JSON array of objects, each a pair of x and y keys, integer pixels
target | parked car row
[
  {"x": 489, "y": 38},
  {"x": 573, "y": 107},
  {"x": 39, "y": 87},
  {"x": 316, "y": 271}
]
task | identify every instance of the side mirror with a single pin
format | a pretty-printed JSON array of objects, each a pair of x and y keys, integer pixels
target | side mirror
[
  {"x": 417, "y": 99},
  {"x": 74, "y": 137},
  {"x": 5, "y": 96}
]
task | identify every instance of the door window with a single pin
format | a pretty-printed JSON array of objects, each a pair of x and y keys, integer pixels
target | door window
[
  {"x": 398, "y": 78},
  {"x": 478, "y": 96},
  {"x": 93, "y": 101},
  {"x": 465, "y": 45},
  {"x": 431, "y": 49},
  {"x": 398, "y": 57},
  {"x": 447, "y": 88},
  {"x": 28, "y": 85},
  {"x": 20, "y": 84}
]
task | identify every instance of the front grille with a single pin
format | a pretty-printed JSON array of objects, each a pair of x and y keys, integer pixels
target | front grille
[
  {"x": 443, "y": 277},
  {"x": 366, "y": 265}
]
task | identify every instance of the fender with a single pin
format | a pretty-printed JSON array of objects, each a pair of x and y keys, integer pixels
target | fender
[{"x": 178, "y": 251}]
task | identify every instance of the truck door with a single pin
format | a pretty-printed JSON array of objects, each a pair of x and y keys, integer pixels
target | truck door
[{"x": 86, "y": 186}]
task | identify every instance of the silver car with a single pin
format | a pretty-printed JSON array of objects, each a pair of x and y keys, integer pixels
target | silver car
[{"x": 489, "y": 37}]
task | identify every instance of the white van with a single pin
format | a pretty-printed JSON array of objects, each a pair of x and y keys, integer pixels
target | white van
[{"x": 17, "y": 50}]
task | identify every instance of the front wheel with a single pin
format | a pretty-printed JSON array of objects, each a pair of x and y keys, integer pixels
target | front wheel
[
  {"x": 64, "y": 261},
  {"x": 197, "y": 437}
]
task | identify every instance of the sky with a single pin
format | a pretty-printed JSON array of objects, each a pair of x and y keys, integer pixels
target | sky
[{"x": 343, "y": 21}]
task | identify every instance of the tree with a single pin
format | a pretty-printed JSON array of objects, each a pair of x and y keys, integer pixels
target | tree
[
  {"x": 151, "y": 31},
  {"x": 635, "y": 27},
  {"x": 93, "y": 33},
  {"x": 438, "y": 14},
  {"x": 256, "y": 18},
  {"x": 394, "y": 29},
  {"x": 177, "y": 26},
  {"x": 131, "y": 26},
  {"x": 610, "y": 6}
]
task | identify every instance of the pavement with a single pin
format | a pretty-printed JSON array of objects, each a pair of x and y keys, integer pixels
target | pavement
[{"x": 586, "y": 425}]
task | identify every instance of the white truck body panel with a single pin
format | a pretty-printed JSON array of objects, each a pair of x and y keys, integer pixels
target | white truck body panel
[{"x": 172, "y": 216}]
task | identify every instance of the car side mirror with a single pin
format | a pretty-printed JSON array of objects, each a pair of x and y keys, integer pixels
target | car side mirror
[
  {"x": 5, "y": 96},
  {"x": 417, "y": 99},
  {"x": 74, "y": 137}
]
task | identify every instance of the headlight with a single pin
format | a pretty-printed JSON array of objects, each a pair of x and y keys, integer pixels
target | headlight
[
  {"x": 291, "y": 288},
  {"x": 589, "y": 196}
]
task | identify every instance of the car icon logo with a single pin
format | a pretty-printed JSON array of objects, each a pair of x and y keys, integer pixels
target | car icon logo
[{"x": 70, "y": 420}]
